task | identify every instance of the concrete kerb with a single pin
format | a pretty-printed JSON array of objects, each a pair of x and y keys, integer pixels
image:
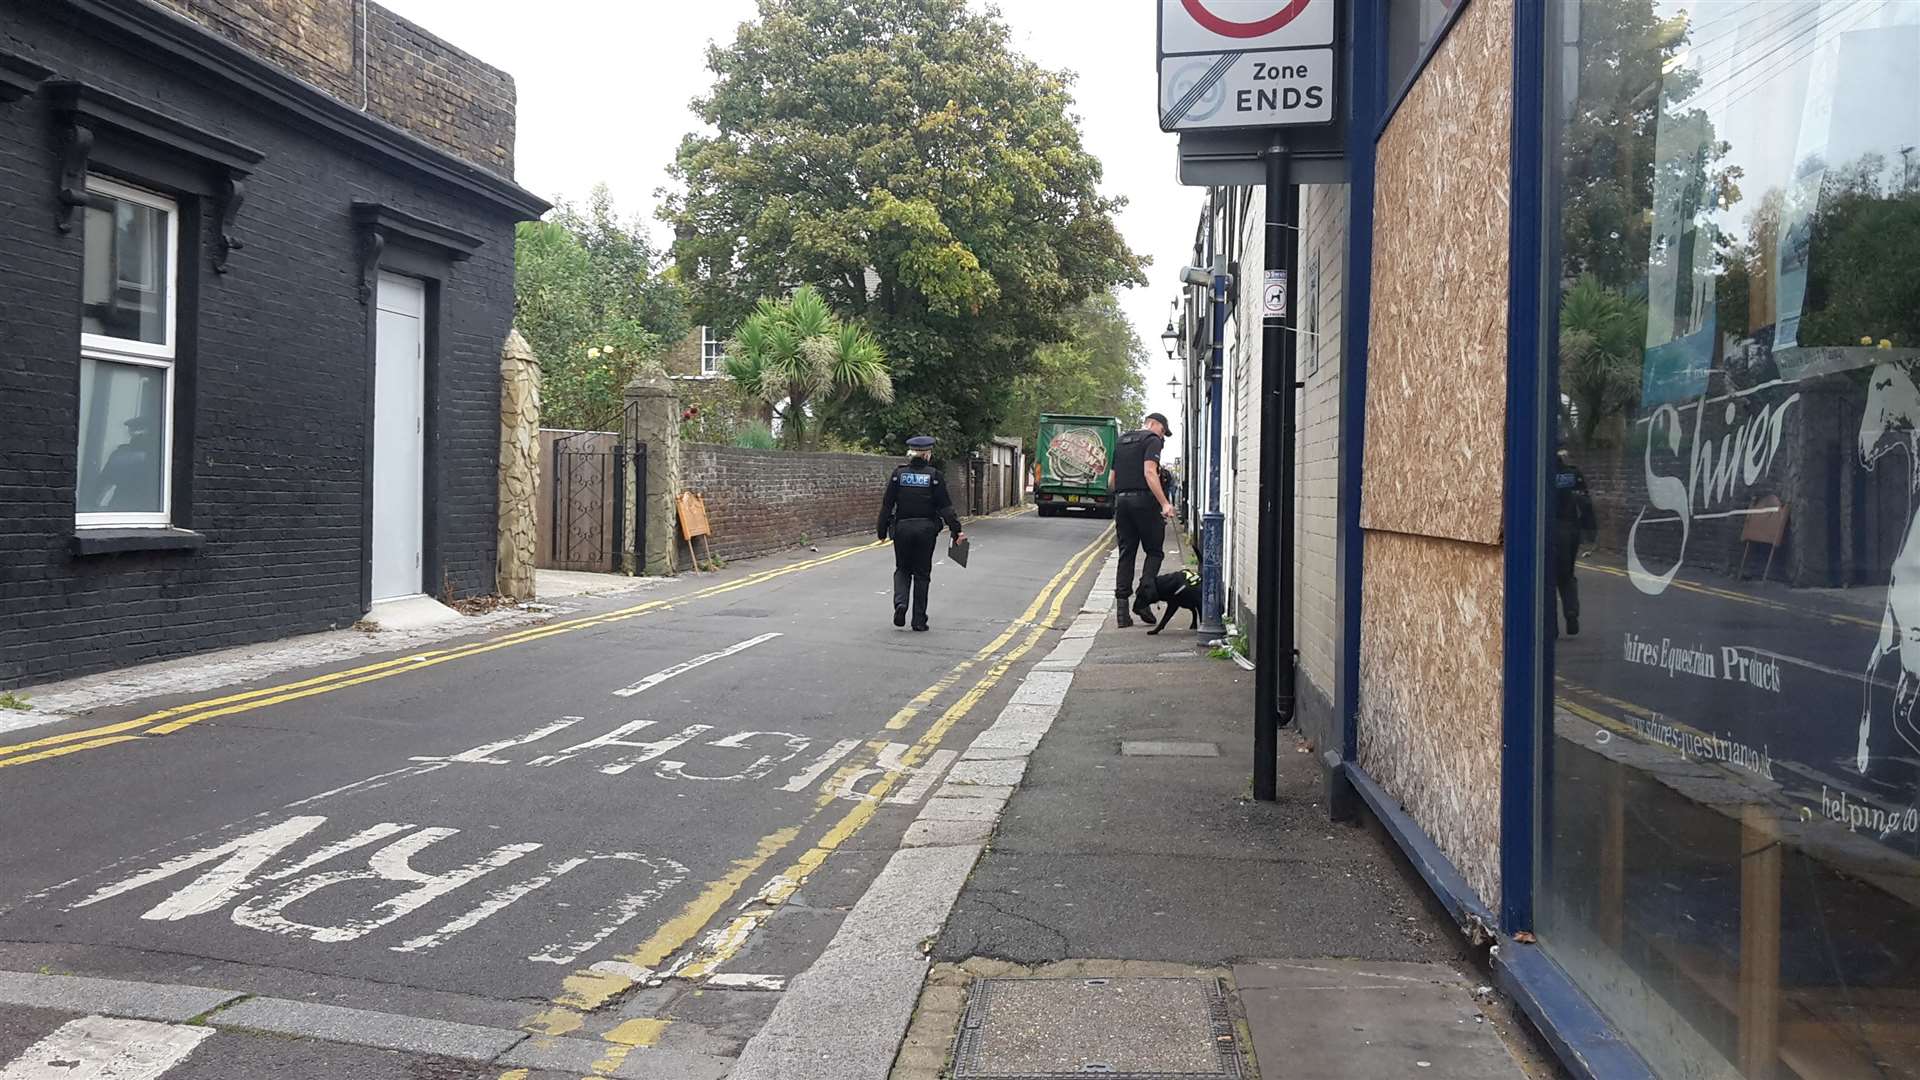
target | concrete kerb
[{"x": 846, "y": 1017}]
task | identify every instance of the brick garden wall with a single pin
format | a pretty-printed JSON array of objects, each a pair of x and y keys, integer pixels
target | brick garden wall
[
  {"x": 766, "y": 500},
  {"x": 410, "y": 78}
]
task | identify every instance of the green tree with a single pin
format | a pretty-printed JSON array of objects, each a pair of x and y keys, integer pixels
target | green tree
[
  {"x": 1862, "y": 281},
  {"x": 1097, "y": 371},
  {"x": 1626, "y": 94},
  {"x": 597, "y": 303},
  {"x": 902, "y": 157},
  {"x": 792, "y": 355},
  {"x": 1602, "y": 333}
]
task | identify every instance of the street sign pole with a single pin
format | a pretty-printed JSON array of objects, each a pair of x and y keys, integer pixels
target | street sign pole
[
  {"x": 1251, "y": 86},
  {"x": 1273, "y": 678}
]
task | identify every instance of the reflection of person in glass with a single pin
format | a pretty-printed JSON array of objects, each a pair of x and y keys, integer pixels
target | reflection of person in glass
[
  {"x": 1573, "y": 519},
  {"x": 126, "y": 480}
]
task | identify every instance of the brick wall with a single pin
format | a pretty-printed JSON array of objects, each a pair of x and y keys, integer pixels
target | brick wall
[
  {"x": 277, "y": 401},
  {"x": 410, "y": 78},
  {"x": 767, "y": 500},
  {"x": 1323, "y": 216}
]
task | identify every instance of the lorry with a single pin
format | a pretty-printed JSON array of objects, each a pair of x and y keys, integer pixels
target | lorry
[{"x": 1072, "y": 458}]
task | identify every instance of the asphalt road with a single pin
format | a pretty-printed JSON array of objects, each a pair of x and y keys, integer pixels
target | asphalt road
[
  {"x": 1786, "y": 678},
  {"x": 619, "y": 828}
]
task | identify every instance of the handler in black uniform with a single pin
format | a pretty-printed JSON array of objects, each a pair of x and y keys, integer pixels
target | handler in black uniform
[
  {"x": 1573, "y": 519},
  {"x": 1140, "y": 510},
  {"x": 915, "y": 505}
]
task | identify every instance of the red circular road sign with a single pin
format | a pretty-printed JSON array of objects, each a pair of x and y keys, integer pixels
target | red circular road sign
[{"x": 1231, "y": 28}]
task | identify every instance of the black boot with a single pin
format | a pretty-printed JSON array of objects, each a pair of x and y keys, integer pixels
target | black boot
[
  {"x": 1120, "y": 616},
  {"x": 1143, "y": 611},
  {"x": 899, "y": 614}
]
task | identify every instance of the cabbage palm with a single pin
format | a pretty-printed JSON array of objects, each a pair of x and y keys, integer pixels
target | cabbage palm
[{"x": 792, "y": 352}]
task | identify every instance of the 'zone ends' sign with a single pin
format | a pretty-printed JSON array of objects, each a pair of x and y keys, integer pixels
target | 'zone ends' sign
[
  {"x": 1212, "y": 26},
  {"x": 1245, "y": 63}
]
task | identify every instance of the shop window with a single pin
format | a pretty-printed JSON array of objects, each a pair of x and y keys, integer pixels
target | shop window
[
  {"x": 1731, "y": 817},
  {"x": 1412, "y": 26},
  {"x": 127, "y": 352}
]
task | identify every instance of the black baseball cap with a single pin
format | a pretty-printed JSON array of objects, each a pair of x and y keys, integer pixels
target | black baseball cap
[{"x": 1162, "y": 417}]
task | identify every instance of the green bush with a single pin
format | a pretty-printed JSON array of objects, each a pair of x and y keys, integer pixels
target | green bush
[{"x": 754, "y": 437}]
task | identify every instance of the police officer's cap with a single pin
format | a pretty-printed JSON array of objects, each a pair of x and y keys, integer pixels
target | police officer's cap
[{"x": 920, "y": 442}]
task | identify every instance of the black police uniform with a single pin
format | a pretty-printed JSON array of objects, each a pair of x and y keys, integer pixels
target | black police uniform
[
  {"x": 916, "y": 503},
  {"x": 1136, "y": 514},
  {"x": 1572, "y": 516}
]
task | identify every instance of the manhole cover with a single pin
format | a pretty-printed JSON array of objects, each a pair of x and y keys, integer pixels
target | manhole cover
[{"x": 1136, "y": 1029}]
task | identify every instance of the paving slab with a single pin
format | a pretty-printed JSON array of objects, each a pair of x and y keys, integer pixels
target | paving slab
[
  {"x": 1340, "y": 1019},
  {"x": 581, "y": 1056},
  {"x": 361, "y": 1027},
  {"x": 1071, "y": 1027},
  {"x": 1163, "y": 748},
  {"x": 112, "y": 997},
  {"x": 997, "y": 773}
]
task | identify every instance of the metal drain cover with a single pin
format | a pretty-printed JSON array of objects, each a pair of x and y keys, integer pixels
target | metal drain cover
[{"x": 1134, "y": 1029}]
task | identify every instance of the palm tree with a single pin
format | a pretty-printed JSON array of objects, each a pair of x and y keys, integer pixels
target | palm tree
[
  {"x": 790, "y": 353},
  {"x": 1602, "y": 342}
]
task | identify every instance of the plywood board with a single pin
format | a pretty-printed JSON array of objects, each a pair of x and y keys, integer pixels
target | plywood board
[
  {"x": 1437, "y": 354},
  {"x": 1430, "y": 687},
  {"x": 693, "y": 516}
]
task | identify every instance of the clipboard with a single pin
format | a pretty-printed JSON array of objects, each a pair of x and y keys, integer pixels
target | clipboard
[{"x": 957, "y": 551}]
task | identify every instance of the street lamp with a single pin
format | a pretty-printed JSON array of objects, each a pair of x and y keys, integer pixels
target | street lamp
[{"x": 1171, "y": 337}]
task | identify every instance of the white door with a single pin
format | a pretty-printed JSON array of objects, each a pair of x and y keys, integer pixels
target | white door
[{"x": 399, "y": 436}]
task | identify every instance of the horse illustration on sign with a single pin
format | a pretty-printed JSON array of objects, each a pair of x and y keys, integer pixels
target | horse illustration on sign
[{"x": 1892, "y": 422}]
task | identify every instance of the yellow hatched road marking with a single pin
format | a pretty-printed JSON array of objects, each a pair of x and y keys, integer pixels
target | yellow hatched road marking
[
  {"x": 179, "y": 717},
  {"x": 588, "y": 990}
]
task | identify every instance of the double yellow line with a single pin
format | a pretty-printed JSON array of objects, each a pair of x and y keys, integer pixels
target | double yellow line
[
  {"x": 588, "y": 990},
  {"x": 180, "y": 717}
]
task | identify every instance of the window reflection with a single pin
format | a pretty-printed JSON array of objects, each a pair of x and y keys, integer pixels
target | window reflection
[
  {"x": 1732, "y": 864},
  {"x": 125, "y": 293}
]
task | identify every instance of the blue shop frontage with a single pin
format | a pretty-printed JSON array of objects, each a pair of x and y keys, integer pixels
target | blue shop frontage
[{"x": 1628, "y": 512}]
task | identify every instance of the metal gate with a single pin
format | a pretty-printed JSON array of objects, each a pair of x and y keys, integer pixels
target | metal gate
[{"x": 590, "y": 515}]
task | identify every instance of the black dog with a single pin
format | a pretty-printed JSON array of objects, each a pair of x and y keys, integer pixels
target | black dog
[{"x": 1180, "y": 589}]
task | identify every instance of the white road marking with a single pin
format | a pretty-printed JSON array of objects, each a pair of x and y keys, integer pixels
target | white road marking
[
  {"x": 633, "y": 973},
  {"x": 648, "y": 750},
  {"x": 667, "y": 874},
  {"x": 766, "y": 763},
  {"x": 483, "y": 754},
  {"x": 748, "y": 982},
  {"x": 99, "y": 1048},
  {"x": 804, "y": 779},
  {"x": 659, "y": 677},
  {"x": 217, "y": 887},
  {"x": 492, "y": 905},
  {"x": 391, "y": 863},
  {"x": 892, "y": 759}
]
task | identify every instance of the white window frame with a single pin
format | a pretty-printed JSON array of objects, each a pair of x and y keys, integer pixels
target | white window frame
[
  {"x": 712, "y": 352},
  {"x": 108, "y": 349}
]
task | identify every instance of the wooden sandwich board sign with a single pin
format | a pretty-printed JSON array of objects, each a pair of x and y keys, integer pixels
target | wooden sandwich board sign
[{"x": 694, "y": 525}]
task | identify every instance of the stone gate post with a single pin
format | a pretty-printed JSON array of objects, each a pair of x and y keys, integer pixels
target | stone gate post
[
  {"x": 519, "y": 466},
  {"x": 653, "y": 418}
]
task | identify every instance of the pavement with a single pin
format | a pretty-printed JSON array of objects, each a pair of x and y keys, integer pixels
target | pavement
[
  {"x": 733, "y": 825},
  {"x": 1136, "y": 912}
]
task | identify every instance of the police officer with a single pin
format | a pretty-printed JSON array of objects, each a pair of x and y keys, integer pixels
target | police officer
[
  {"x": 916, "y": 504},
  {"x": 1573, "y": 518},
  {"x": 1141, "y": 510}
]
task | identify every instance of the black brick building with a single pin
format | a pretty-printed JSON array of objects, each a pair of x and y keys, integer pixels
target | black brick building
[{"x": 198, "y": 250}]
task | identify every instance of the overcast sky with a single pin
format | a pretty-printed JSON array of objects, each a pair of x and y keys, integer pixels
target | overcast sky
[{"x": 604, "y": 88}]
